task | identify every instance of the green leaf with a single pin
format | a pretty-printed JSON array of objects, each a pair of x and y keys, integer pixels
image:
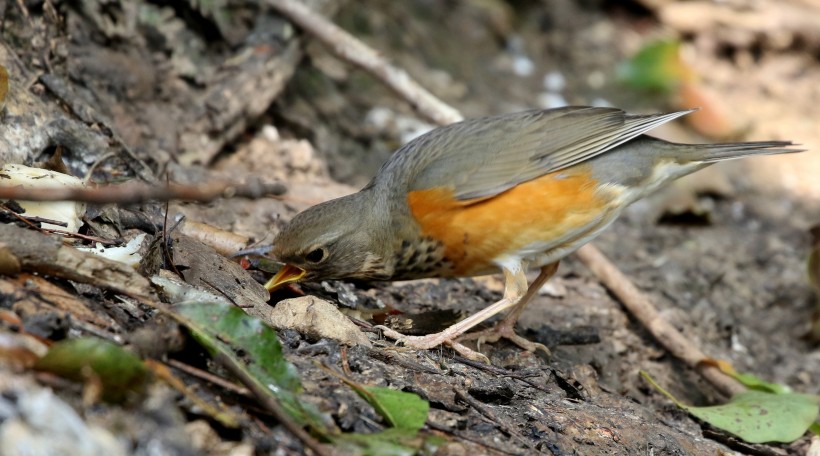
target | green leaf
[
  {"x": 754, "y": 383},
  {"x": 656, "y": 67},
  {"x": 757, "y": 416},
  {"x": 391, "y": 442},
  {"x": 227, "y": 330},
  {"x": 748, "y": 380},
  {"x": 401, "y": 410},
  {"x": 120, "y": 373},
  {"x": 230, "y": 331}
]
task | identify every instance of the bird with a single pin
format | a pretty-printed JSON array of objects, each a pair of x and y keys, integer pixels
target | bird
[{"x": 503, "y": 193}]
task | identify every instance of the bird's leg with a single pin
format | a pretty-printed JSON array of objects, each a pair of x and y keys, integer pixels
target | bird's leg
[
  {"x": 506, "y": 328},
  {"x": 515, "y": 285}
]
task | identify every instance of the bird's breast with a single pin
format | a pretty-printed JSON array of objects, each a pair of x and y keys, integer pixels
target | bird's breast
[{"x": 532, "y": 219}]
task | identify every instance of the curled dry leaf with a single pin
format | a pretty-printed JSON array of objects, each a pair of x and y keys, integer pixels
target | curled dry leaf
[
  {"x": 8, "y": 262},
  {"x": 35, "y": 296},
  {"x": 224, "y": 242},
  {"x": 712, "y": 119},
  {"x": 20, "y": 350},
  {"x": 70, "y": 212},
  {"x": 316, "y": 319}
]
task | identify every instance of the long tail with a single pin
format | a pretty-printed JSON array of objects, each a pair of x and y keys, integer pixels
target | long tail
[{"x": 711, "y": 153}]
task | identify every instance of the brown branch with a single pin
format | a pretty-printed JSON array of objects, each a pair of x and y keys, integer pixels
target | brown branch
[
  {"x": 638, "y": 304},
  {"x": 209, "y": 377},
  {"x": 490, "y": 416},
  {"x": 36, "y": 252},
  {"x": 350, "y": 49},
  {"x": 136, "y": 192},
  {"x": 271, "y": 405}
]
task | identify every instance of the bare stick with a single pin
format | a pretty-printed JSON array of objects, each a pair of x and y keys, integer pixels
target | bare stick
[
  {"x": 136, "y": 192},
  {"x": 639, "y": 305},
  {"x": 350, "y": 49},
  {"x": 207, "y": 376},
  {"x": 271, "y": 405}
]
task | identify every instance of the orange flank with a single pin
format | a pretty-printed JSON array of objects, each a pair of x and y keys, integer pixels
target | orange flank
[{"x": 475, "y": 232}]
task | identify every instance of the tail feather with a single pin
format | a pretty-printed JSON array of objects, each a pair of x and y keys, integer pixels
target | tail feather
[{"x": 711, "y": 153}]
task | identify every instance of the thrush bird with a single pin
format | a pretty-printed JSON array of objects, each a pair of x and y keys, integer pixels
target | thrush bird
[{"x": 503, "y": 193}]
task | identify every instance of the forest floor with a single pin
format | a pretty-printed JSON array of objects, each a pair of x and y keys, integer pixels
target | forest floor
[{"x": 722, "y": 253}]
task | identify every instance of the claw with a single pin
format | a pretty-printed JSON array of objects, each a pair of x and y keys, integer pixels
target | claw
[
  {"x": 431, "y": 341},
  {"x": 503, "y": 331}
]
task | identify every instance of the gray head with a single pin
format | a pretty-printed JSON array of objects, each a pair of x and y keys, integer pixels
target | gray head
[{"x": 332, "y": 240}]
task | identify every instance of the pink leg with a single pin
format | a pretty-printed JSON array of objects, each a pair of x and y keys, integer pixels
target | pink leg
[
  {"x": 506, "y": 328},
  {"x": 515, "y": 286}
]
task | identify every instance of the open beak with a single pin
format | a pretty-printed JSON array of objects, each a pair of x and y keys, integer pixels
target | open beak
[{"x": 285, "y": 275}]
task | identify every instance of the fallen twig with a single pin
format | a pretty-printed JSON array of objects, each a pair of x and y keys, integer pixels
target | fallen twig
[
  {"x": 490, "y": 416},
  {"x": 462, "y": 436},
  {"x": 36, "y": 252},
  {"x": 351, "y": 49},
  {"x": 209, "y": 377},
  {"x": 271, "y": 405},
  {"x": 639, "y": 306},
  {"x": 136, "y": 192},
  {"x": 495, "y": 370}
]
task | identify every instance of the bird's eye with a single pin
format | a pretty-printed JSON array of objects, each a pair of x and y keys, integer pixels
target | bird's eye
[{"x": 316, "y": 255}]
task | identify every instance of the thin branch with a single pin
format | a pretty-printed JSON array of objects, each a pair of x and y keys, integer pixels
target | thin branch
[
  {"x": 490, "y": 416},
  {"x": 136, "y": 192},
  {"x": 271, "y": 405},
  {"x": 350, "y": 49},
  {"x": 641, "y": 307},
  {"x": 209, "y": 377}
]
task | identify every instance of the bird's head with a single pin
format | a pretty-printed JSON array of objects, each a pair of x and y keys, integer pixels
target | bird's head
[{"x": 332, "y": 240}]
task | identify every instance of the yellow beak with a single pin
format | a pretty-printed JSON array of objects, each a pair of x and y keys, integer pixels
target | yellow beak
[{"x": 285, "y": 275}]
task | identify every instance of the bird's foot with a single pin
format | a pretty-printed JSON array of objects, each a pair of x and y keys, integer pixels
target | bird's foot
[
  {"x": 433, "y": 340},
  {"x": 505, "y": 330}
]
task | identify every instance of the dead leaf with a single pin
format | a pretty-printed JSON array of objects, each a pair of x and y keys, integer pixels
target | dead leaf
[{"x": 316, "y": 319}]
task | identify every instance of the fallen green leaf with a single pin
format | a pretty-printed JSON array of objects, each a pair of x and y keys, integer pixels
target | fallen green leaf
[
  {"x": 401, "y": 410},
  {"x": 757, "y": 416},
  {"x": 656, "y": 67},
  {"x": 748, "y": 380},
  {"x": 120, "y": 373},
  {"x": 228, "y": 330},
  {"x": 754, "y": 383},
  {"x": 815, "y": 428},
  {"x": 391, "y": 442}
]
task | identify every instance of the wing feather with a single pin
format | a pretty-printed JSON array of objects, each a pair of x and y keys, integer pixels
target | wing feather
[{"x": 483, "y": 157}]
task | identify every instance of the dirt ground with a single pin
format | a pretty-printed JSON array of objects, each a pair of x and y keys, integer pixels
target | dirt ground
[{"x": 722, "y": 253}]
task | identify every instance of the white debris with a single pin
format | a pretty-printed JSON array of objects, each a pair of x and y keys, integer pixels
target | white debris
[
  {"x": 43, "y": 424},
  {"x": 70, "y": 212},
  {"x": 522, "y": 65},
  {"x": 549, "y": 100},
  {"x": 127, "y": 254},
  {"x": 554, "y": 81}
]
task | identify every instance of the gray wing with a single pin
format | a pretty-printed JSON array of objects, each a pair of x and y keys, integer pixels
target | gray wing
[{"x": 484, "y": 157}]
